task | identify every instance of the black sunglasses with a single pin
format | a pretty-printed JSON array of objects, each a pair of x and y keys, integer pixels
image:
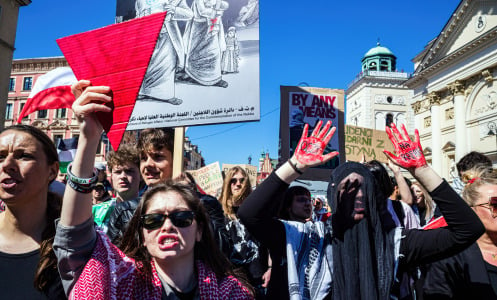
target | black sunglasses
[
  {"x": 235, "y": 180},
  {"x": 179, "y": 219}
]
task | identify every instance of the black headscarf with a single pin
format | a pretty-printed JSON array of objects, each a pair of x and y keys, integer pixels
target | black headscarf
[{"x": 363, "y": 252}]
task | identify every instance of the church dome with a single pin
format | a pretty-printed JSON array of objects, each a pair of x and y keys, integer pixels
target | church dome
[
  {"x": 379, "y": 58},
  {"x": 378, "y": 50}
]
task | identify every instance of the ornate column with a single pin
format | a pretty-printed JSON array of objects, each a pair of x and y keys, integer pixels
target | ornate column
[
  {"x": 436, "y": 135},
  {"x": 457, "y": 89}
]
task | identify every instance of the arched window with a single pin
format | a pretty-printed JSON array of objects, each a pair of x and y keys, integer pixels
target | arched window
[{"x": 389, "y": 120}]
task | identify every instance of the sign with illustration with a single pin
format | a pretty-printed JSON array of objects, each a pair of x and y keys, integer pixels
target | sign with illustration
[
  {"x": 301, "y": 105},
  {"x": 366, "y": 143},
  {"x": 209, "y": 179},
  {"x": 205, "y": 65}
]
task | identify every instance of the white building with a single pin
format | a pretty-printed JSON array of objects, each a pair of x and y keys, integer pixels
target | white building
[
  {"x": 455, "y": 88},
  {"x": 378, "y": 96}
]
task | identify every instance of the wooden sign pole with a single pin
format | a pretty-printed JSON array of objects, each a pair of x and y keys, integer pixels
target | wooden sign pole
[{"x": 179, "y": 142}]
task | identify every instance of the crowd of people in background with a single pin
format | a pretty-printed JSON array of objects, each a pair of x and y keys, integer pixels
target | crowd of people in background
[{"x": 126, "y": 229}]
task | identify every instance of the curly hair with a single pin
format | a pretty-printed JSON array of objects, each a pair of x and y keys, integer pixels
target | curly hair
[
  {"x": 156, "y": 138},
  {"x": 125, "y": 154}
]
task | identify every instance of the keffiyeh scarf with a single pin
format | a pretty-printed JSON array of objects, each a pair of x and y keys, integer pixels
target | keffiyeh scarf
[{"x": 110, "y": 274}]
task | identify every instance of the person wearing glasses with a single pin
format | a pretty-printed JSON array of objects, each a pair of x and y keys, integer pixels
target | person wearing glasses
[
  {"x": 471, "y": 274},
  {"x": 243, "y": 250},
  {"x": 169, "y": 253}
]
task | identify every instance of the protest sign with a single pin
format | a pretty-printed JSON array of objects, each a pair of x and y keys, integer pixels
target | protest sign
[
  {"x": 115, "y": 56},
  {"x": 301, "y": 105},
  {"x": 366, "y": 142},
  {"x": 205, "y": 67},
  {"x": 209, "y": 179},
  {"x": 251, "y": 172}
]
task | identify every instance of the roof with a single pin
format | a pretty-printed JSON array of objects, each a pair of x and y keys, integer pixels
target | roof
[{"x": 378, "y": 50}]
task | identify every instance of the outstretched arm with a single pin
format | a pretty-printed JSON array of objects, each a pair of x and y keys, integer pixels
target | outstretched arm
[
  {"x": 411, "y": 157},
  {"x": 464, "y": 227},
  {"x": 404, "y": 190},
  {"x": 309, "y": 152},
  {"x": 76, "y": 208}
]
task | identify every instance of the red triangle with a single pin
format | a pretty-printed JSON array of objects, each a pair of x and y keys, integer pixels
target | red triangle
[{"x": 115, "y": 56}]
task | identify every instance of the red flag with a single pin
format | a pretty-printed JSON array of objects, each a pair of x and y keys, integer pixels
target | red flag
[
  {"x": 437, "y": 223},
  {"x": 115, "y": 56}
]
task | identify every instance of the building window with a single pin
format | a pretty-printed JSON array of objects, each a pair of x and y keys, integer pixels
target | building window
[
  {"x": 27, "y": 84},
  {"x": 20, "y": 109},
  {"x": 9, "y": 113},
  {"x": 12, "y": 85},
  {"x": 427, "y": 122},
  {"x": 389, "y": 99},
  {"x": 42, "y": 114},
  {"x": 389, "y": 120},
  {"x": 57, "y": 137},
  {"x": 60, "y": 113}
]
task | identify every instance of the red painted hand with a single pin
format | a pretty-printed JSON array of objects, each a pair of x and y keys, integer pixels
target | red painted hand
[
  {"x": 410, "y": 154},
  {"x": 309, "y": 151}
]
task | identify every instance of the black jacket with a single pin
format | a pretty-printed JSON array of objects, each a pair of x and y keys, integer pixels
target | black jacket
[
  {"x": 119, "y": 219},
  {"x": 462, "y": 276}
]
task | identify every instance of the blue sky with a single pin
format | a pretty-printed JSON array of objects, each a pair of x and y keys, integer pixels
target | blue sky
[{"x": 317, "y": 42}]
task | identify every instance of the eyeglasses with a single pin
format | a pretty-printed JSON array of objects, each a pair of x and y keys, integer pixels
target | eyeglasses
[
  {"x": 179, "y": 219},
  {"x": 491, "y": 205},
  {"x": 235, "y": 180}
]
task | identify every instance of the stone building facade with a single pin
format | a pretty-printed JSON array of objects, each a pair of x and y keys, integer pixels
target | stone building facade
[
  {"x": 455, "y": 87},
  {"x": 378, "y": 96},
  {"x": 9, "y": 12}
]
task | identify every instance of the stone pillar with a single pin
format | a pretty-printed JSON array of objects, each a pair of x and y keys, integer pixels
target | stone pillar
[
  {"x": 457, "y": 89},
  {"x": 436, "y": 135}
]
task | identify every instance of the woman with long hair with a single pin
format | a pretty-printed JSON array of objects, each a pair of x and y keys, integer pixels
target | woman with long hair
[
  {"x": 169, "y": 251},
  {"x": 28, "y": 164},
  {"x": 243, "y": 250},
  {"x": 236, "y": 188},
  {"x": 425, "y": 207}
]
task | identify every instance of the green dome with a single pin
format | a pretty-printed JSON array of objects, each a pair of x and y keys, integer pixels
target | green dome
[{"x": 379, "y": 50}]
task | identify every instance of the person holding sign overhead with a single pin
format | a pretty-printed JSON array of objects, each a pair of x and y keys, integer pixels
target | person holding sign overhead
[
  {"x": 169, "y": 251},
  {"x": 334, "y": 259}
]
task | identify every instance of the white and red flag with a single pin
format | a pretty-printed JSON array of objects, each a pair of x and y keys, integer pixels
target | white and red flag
[{"x": 50, "y": 91}]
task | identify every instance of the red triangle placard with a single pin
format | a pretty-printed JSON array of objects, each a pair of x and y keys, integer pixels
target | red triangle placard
[{"x": 115, "y": 56}]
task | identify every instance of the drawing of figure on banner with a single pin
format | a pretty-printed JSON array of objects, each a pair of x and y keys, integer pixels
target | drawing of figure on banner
[
  {"x": 206, "y": 63},
  {"x": 249, "y": 14},
  {"x": 204, "y": 43},
  {"x": 158, "y": 83},
  {"x": 229, "y": 62}
]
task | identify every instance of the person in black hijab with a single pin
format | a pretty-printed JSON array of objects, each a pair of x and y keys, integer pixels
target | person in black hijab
[{"x": 358, "y": 253}]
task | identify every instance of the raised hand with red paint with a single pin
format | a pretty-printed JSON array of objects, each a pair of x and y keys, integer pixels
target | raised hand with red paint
[
  {"x": 410, "y": 154},
  {"x": 310, "y": 149}
]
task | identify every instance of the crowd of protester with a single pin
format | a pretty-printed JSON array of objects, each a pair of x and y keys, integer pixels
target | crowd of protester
[{"x": 126, "y": 229}]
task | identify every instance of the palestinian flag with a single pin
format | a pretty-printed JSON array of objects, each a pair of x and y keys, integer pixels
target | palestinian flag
[
  {"x": 50, "y": 91},
  {"x": 66, "y": 148}
]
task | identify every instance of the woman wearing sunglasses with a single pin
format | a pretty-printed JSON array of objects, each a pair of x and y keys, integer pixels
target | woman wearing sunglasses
[
  {"x": 169, "y": 251},
  {"x": 243, "y": 251},
  {"x": 471, "y": 274}
]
